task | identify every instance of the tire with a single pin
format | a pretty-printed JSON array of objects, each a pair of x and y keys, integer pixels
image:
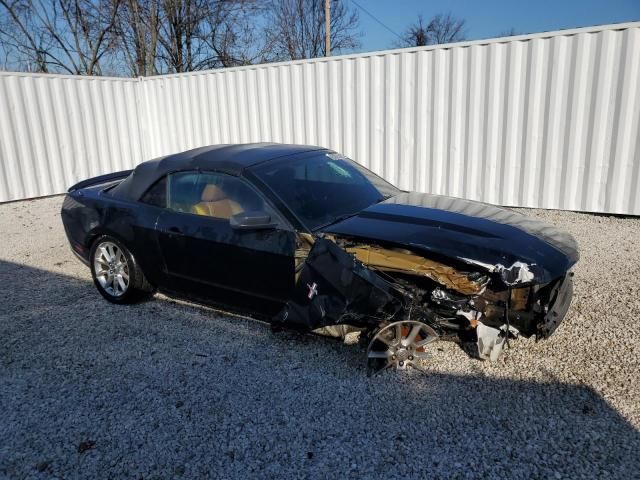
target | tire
[{"x": 116, "y": 274}]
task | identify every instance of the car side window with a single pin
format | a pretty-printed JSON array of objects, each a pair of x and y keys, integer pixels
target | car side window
[
  {"x": 157, "y": 194},
  {"x": 214, "y": 195},
  {"x": 182, "y": 194}
]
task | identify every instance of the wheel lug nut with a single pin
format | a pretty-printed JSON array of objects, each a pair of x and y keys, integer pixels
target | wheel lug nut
[
  {"x": 393, "y": 357},
  {"x": 401, "y": 364},
  {"x": 410, "y": 357}
]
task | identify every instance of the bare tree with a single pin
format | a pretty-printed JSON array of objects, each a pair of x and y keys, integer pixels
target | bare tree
[
  {"x": 442, "y": 28},
  {"x": 20, "y": 35},
  {"x": 71, "y": 36},
  {"x": 168, "y": 36},
  {"x": 298, "y": 28},
  {"x": 147, "y": 37},
  {"x": 135, "y": 37},
  {"x": 89, "y": 26},
  {"x": 138, "y": 26},
  {"x": 237, "y": 35},
  {"x": 511, "y": 32},
  {"x": 446, "y": 29},
  {"x": 417, "y": 35}
]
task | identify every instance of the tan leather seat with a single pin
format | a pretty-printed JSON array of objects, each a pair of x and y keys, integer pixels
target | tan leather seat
[{"x": 214, "y": 203}]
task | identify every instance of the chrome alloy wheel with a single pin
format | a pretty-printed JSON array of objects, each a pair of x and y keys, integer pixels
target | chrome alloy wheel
[
  {"x": 399, "y": 345},
  {"x": 111, "y": 268}
]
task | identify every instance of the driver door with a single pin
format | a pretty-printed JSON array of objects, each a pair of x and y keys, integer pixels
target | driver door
[{"x": 206, "y": 258}]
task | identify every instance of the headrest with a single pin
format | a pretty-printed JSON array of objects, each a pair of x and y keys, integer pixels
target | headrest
[{"x": 212, "y": 193}]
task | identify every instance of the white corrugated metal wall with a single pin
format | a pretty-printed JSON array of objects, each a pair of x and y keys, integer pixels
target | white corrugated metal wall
[
  {"x": 57, "y": 129},
  {"x": 548, "y": 120}
]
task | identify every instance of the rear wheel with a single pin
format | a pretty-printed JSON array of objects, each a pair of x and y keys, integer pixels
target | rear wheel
[{"x": 115, "y": 272}]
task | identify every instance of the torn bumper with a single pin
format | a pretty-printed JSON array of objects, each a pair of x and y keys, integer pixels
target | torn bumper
[{"x": 560, "y": 300}]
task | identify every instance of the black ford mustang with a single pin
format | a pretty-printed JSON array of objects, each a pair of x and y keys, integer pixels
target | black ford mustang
[{"x": 307, "y": 239}]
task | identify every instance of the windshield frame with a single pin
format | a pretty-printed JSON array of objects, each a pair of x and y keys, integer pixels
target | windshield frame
[{"x": 253, "y": 174}]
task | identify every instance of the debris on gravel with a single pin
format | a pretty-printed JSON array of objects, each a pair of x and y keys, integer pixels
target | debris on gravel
[{"x": 166, "y": 389}]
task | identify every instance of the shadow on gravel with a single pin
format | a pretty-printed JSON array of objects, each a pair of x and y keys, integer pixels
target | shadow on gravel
[{"x": 88, "y": 389}]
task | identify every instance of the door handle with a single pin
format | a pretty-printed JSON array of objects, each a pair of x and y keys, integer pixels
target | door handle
[{"x": 175, "y": 230}]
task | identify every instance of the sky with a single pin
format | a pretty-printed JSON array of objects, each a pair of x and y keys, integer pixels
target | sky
[{"x": 486, "y": 19}]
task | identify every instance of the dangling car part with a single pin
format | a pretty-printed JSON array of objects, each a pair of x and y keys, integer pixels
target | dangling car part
[{"x": 305, "y": 238}]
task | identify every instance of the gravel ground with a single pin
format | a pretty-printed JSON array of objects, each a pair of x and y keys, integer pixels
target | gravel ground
[{"x": 167, "y": 389}]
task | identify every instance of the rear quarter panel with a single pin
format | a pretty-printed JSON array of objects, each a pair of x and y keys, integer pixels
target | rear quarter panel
[{"x": 89, "y": 213}]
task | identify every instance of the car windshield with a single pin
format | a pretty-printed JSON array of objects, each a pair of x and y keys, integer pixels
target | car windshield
[{"x": 321, "y": 188}]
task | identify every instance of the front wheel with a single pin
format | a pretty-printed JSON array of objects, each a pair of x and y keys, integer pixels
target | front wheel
[
  {"x": 399, "y": 345},
  {"x": 115, "y": 273}
]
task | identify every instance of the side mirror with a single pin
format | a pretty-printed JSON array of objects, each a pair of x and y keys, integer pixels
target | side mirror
[{"x": 257, "y": 220}]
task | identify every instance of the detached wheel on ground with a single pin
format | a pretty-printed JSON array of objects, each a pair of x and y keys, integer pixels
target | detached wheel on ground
[{"x": 115, "y": 272}]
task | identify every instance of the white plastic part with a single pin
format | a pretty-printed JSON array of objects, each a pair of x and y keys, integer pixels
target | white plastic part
[{"x": 490, "y": 341}]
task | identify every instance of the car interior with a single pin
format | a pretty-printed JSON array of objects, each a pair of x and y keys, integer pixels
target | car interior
[
  {"x": 215, "y": 202},
  {"x": 212, "y": 195}
]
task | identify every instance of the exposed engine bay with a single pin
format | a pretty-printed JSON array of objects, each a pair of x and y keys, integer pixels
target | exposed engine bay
[{"x": 363, "y": 286}]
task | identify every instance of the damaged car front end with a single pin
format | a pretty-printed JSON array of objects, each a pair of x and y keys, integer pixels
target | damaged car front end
[{"x": 418, "y": 267}]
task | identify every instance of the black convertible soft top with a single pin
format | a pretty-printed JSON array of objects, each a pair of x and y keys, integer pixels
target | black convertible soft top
[{"x": 231, "y": 159}]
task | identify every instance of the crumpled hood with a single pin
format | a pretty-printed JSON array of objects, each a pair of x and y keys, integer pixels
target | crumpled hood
[{"x": 523, "y": 250}]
